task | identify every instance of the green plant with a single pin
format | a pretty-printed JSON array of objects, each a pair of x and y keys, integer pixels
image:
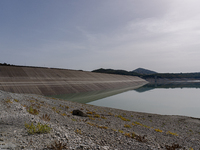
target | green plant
[
  {"x": 74, "y": 119},
  {"x": 127, "y": 126},
  {"x": 78, "y": 131},
  {"x": 158, "y": 130},
  {"x": 128, "y": 135},
  {"x": 163, "y": 124},
  {"x": 133, "y": 135},
  {"x": 55, "y": 110},
  {"x": 16, "y": 100},
  {"x": 146, "y": 126},
  {"x": 103, "y": 127},
  {"x": 91, "y": 124},
  {"x": 91, "y": 118},
  {"x": 96, "y": 116},
  {"x": 122, "y": 118},
  {"x": 103, "y": 117},
  {"x": 110, "y": 114},
  {"x": 32, "y": 101},
  {"x": 39, "y": 128},
  {"x": 33, "y": 111},
  {"x": 114, "y": 130},
  {"x": 64, "y": 114},
  {"x": 23, "y": 105},
  {"x": 61, "y": 106},
  {"x": 121, "y": 131},
  {"x": 138, "y": 123},
  {"x": 90, "y": 112},
  {"x": 8, "y": 101},
  {"x": 168, "y": 132}
]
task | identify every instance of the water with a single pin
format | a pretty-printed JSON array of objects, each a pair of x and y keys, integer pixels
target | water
[{"x": 169, "y": 99}]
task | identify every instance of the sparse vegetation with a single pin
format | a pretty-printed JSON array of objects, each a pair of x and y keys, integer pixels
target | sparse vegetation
[
  {"x": 168, "y": 132},
  {"x": 58, "y": 146},
  {"x": 140, "y": 138},
  {"x": 136, "y": 137},
  {"x": 96, "y": 116},
  {"x": 122, "y": 118},
  {"x": 91, "y": 124},
  {"x": 39, "y": 128},
  {"x": 128, "y": 135},
  {"x": 121, "y": 131},
  {"x": 90, "y": 113},
  {"x": 138, "y": 123},
  {"x": 9, "y": 101},
  {"x": 158, "y": 130},
  {"x": 45, "y": 117},
  {"x": 102, "y": 117},
  {"x": 16, "y": 100},
  {"x": 173, "y": 147},
  {"x": 102, "y": 127},
  {"x": 32, "y": 111},
  {"x": 64, "y": 114},
  {"x": 127, "y": 126},
  {"x": 78, "y": 131},
  {"x": 32, "y": 101},
  {"x": 114, "y": 130},
  {"x": 55, "y": 110}
]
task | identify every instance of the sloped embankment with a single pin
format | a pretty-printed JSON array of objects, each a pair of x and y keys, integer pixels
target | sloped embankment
[{"x": 49, "y": 81}]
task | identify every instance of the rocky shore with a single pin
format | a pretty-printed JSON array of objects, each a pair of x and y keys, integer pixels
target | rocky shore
[{"x": 36, "y": 122}]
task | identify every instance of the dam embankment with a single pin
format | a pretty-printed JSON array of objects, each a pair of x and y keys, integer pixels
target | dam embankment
[{"x": 51, "y": 81}]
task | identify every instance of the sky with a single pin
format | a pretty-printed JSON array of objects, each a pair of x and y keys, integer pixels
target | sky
[{"x": 160, "y": 35}]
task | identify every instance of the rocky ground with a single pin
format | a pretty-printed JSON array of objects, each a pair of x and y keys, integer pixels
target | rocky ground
[{"x": 37, "y": 122}]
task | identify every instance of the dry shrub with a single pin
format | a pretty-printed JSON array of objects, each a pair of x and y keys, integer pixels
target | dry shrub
[
  {"x": 173, "y": 147},
  {"x": 45, "y": 117},
  {"x": 58, "y": 146}
]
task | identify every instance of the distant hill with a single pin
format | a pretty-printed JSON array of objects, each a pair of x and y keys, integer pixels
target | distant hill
[
  {"x": 148, "y": 74},
  {"x": 112, "y": 71},
  {"x": 144, "y": 71}
]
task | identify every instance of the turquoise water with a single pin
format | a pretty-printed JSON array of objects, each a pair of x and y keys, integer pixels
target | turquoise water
[{"x": 163, "y": 99}]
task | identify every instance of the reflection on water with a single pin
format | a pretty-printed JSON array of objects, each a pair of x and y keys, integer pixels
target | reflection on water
[
  {"x": 148, "y": 87},
  {"x": 170, "y": 99},
  {"x": 92, "y": 96}
]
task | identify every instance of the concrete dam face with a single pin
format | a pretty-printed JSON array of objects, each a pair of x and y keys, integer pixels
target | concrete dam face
[{"x": 50, "y": 81}]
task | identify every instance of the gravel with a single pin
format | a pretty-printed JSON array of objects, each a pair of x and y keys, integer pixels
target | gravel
[{"x": 103, "y": 129}]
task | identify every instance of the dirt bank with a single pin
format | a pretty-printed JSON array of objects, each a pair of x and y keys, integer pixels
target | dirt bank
[{"x": 104, "y": 128}]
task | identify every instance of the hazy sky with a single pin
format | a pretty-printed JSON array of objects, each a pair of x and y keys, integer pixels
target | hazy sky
[{"x": 160, "y": 35}]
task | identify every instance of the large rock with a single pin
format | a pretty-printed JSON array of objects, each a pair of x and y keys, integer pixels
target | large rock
[{"x": 79, "y": 113}]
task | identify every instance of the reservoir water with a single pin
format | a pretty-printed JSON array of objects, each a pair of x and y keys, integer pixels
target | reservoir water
[{"x": 168, "y": 99}]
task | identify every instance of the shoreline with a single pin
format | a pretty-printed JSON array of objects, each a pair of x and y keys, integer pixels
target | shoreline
[{"x": 104, "y": 128}]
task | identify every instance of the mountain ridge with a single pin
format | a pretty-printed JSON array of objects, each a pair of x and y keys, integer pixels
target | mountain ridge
[{"x": 144, "y": 71}]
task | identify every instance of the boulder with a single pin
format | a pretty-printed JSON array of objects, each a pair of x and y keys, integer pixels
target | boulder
[{"x": 78, "y": 113}]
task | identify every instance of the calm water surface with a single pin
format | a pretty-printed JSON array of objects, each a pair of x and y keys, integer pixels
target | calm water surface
[{"x": 178, "y": 100}]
